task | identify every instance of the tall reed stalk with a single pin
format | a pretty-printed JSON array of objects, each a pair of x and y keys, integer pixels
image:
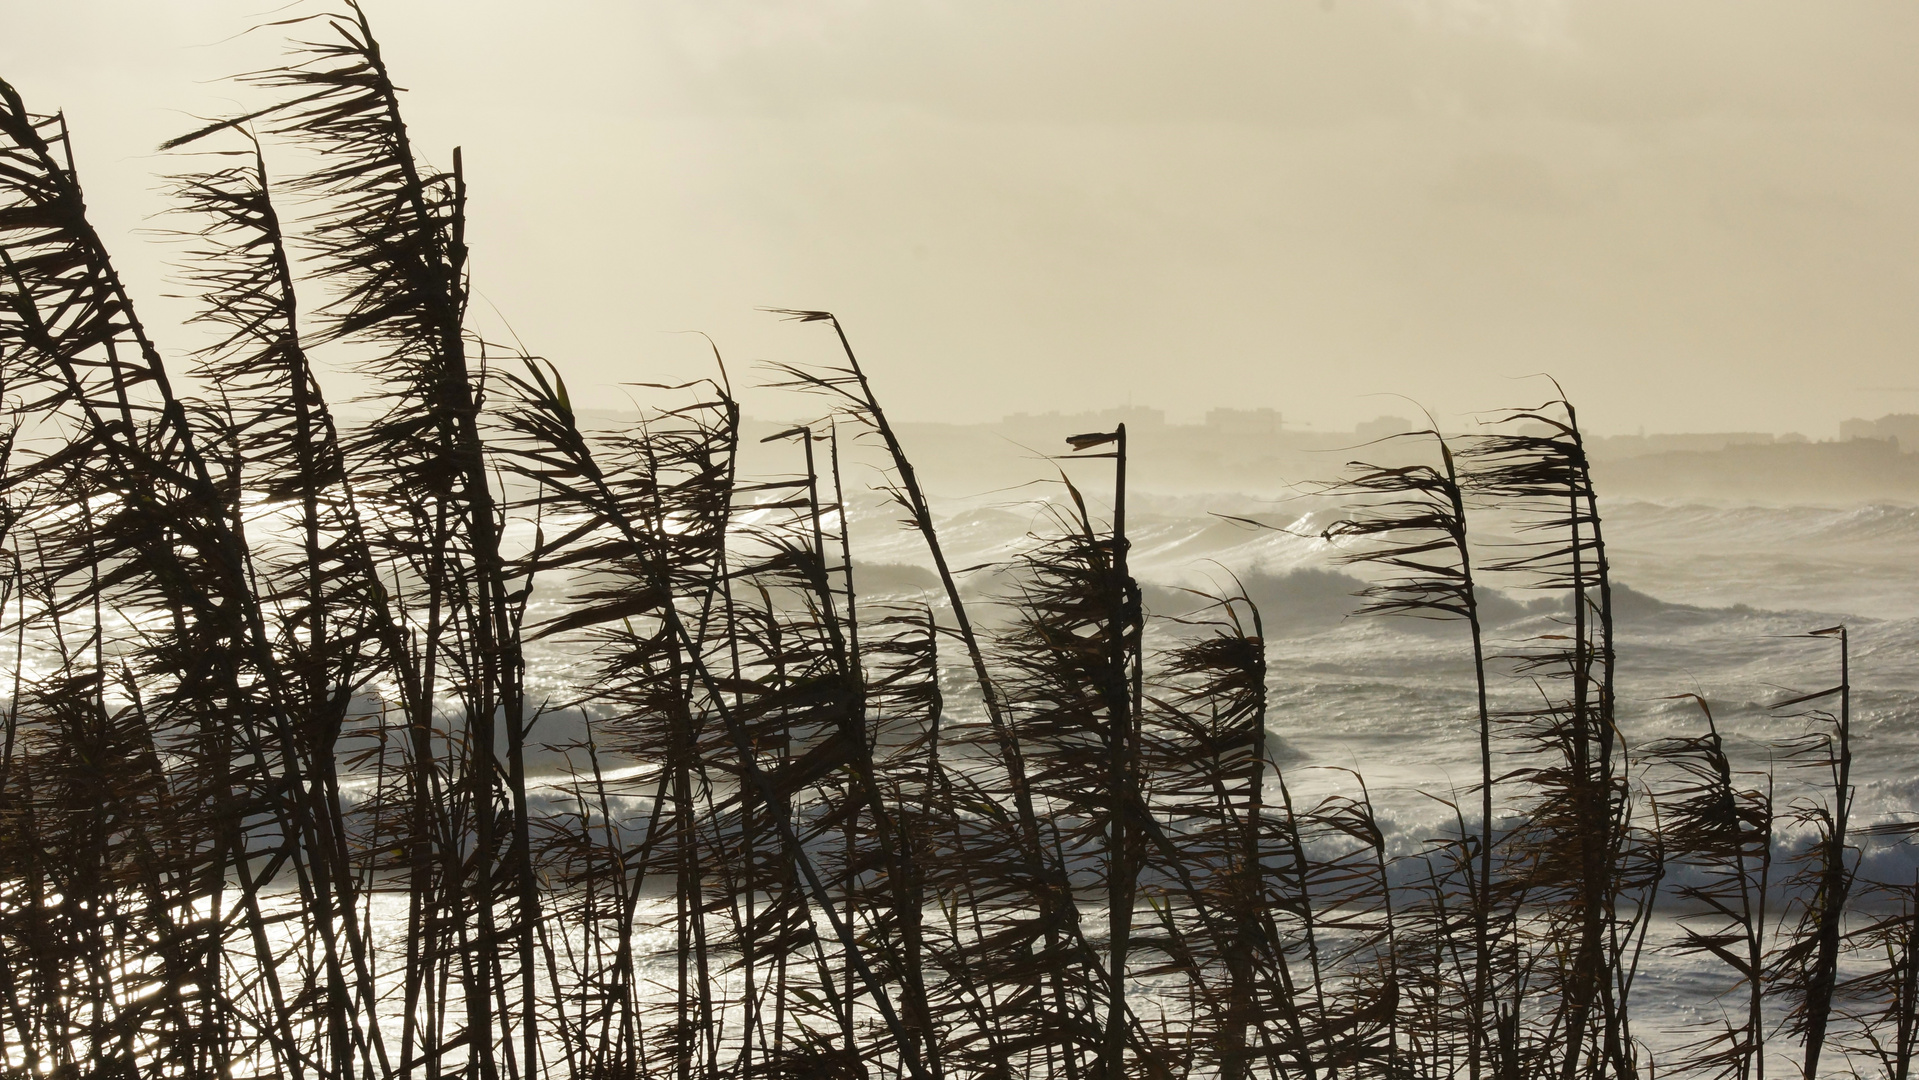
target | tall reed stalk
[{"x": 270, "y": 686}]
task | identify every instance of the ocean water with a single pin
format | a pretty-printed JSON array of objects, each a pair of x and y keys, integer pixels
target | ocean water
[
  {"x": 1711, "y": 600},
  {"x": 1714, "y": 600}
]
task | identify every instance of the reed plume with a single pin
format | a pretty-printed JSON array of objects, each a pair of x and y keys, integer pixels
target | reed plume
[
  {"x": 746, "y": 818},
  {"x": 1414, "y": 526},
  {"x": 1709, "y": 821}
]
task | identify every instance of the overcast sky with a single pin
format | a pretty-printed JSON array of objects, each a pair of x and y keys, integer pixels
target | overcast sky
[{"x": 1699, "y": 215}]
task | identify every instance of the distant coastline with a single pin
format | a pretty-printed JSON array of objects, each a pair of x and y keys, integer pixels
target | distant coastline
[{"x": 1255, "y": 451}]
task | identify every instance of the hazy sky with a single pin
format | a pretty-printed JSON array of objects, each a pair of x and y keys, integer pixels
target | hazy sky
[{"x": 1699, "y": 215}]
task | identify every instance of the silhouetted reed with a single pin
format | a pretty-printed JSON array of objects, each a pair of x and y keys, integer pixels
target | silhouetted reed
[{"x": 272, "y": 799}]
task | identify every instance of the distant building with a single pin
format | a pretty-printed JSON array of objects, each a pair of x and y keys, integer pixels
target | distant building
[{"x": 1903, "y": 428}]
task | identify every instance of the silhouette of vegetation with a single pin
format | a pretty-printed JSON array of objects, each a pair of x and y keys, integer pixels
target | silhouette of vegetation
[{"x": 267, "y": 796}]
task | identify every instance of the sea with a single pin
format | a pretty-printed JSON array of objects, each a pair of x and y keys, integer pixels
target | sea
[{"x": 1715, "y": 602}]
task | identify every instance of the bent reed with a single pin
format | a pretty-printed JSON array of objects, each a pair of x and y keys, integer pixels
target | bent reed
[{"x": 265, "y": 803}]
